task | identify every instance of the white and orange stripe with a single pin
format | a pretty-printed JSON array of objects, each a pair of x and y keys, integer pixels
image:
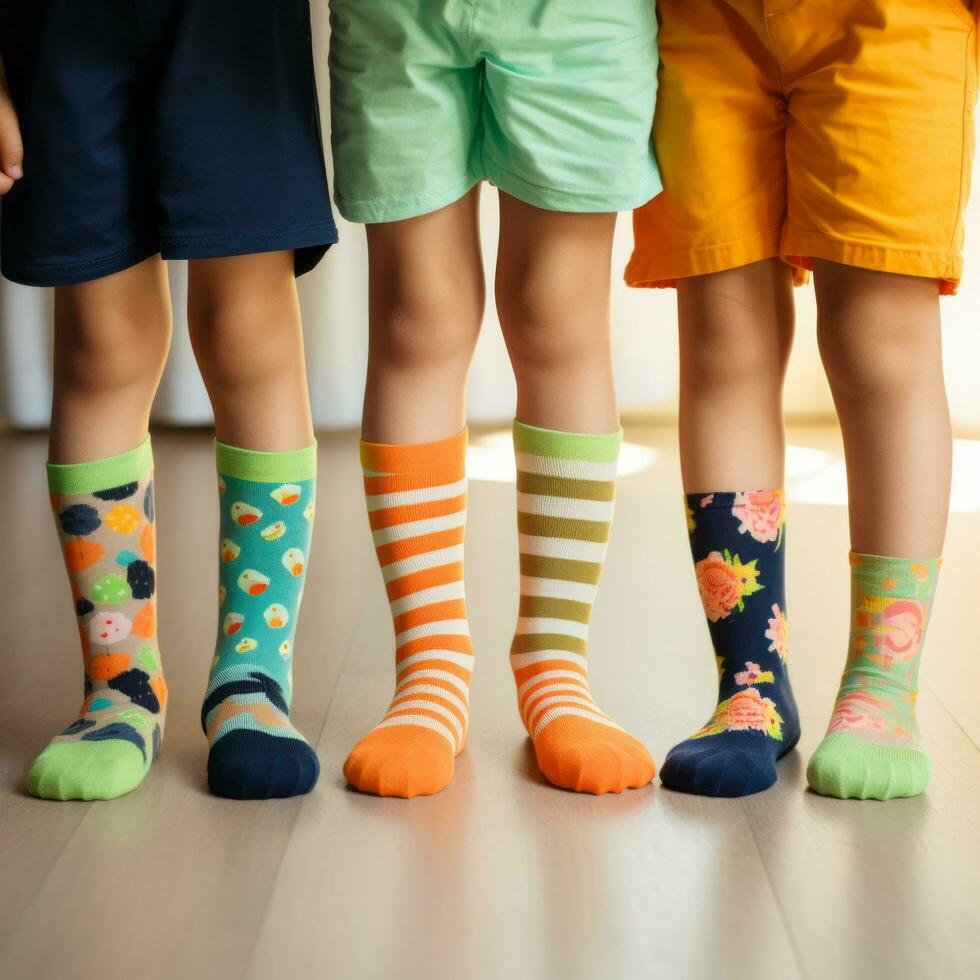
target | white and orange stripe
[{"x": 416, "y": 498}]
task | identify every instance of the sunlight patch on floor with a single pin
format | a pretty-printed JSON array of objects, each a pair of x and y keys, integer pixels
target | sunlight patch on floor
[
  {"x": 816, "y": 476},
  {"x": 813, "y": 476},
  {"x": 491, "y": 458}
]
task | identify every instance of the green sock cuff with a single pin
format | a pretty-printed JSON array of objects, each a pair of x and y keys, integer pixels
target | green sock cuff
[
  {"x": 261, "y": 467},
  {"x": 101, "y": 474},
  {"x": 902, "y": 577},
  {"x": 567, "y": 445}
]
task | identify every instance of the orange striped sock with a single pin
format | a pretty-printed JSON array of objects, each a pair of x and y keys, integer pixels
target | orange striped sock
[
  {"x": 566, "y": 483},
  {"x": 416, "y": 499}
]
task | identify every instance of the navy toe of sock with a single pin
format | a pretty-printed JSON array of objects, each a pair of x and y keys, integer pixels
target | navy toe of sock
[
  {"x": 716, "y": 770},
  {"x": 250, "y": 765}
]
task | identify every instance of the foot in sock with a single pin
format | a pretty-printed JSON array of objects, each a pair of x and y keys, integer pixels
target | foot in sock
[
  {"x": 565, "y": 490},
  {"x": 267, "y": 503},
  {"x": 104, "y": 512},
  {"x": 872, "y": 749},
  {"x": 416, "y": 500},
  {"x": 737, "y": 544}
]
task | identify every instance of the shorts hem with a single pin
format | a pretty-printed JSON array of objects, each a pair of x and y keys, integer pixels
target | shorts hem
[
  {"x": 373, "y": 211},
  {"x": 74, "y": 273},
  {"x": 572, "y": 201},
  {"x": 309, "y": 242},
  {"x": 799, "y": 248},
  {"x": 661, "y": 268}
]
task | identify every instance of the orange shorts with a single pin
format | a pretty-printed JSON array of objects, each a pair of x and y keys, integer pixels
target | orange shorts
[{"x": 831, "y": 129}]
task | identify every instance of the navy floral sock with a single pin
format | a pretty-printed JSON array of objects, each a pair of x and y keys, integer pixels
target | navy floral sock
[{"x": 737, "y": 544}]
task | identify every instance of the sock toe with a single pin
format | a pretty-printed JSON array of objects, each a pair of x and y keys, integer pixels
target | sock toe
[
  {"x": 846, "y": 767},
  {"x": 387, "y": 763},
  {"x": 583, "y": 758},
  {"x": 250, "y": 765},
  {"x": 713, "y": 771},
  {"x": 86, "y": 770}
]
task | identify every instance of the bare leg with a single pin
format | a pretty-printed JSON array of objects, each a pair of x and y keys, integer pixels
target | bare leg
[
  {"x": 426, "y": 308},
  {"x": 111, "y": 339},
  {"x": 736, "y": 329},
  {"x": 246, "y": 331},
  {"x": 880, "y": 341},
  {"x": 247, "y": 335},
  {"x": 552, "y": 289},
  {"x": 879, "y": 338}
]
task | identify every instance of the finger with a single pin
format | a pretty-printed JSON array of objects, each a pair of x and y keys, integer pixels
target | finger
[
  {"x": 5, "y": 184},
  {"x": 11, "y": 145}
]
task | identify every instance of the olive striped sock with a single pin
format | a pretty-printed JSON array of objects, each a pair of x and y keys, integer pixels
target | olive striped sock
[{"x": 566, "y": 485}]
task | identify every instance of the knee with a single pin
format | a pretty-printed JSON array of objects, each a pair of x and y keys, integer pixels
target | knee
[
  {"x": 548, "y": 327},
  {"x": 111, "y": 350},
  {"x": 726, "y": 353},
  {"x": 244, "y": 342},
  {"x": 417, "y": 325},
  {"x": 868, "y": 365}
]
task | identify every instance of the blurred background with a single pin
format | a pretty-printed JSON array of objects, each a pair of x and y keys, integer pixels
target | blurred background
[{"x": 334, "y": 299}]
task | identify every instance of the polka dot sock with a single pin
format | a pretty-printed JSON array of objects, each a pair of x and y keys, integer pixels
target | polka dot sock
[
  {"x": 565, "y": 489},
  {"x": 416, "y": 499},
  {"x": 104, "y": 512},
  {"x": 737, "y": 544},
  {"x": 872, "y": 749},
  {"x": 267, "y": 505}
]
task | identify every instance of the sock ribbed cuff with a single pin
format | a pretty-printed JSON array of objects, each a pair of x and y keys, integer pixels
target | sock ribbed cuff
[
  {"x": 423, "y": 457},
  {"x": 100, "y": 474},
  {"x": 567, "y": 445},
  {"x": 884, "y": 575},
  {"x": 263, "y": 467}
]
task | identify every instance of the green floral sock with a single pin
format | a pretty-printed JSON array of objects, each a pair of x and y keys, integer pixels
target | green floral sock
[
  {"x": 872, "y": 748},
  {"x": 104, "y": 512}
]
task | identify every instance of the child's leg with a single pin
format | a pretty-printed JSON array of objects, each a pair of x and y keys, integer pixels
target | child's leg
[
  {"x": 247, "y": 336},
  {"x": 426, "y": 309},
  {"x": 111, "y": 340},
  {"x": 735, "y": 330},
  {"x": 879, "y": 338},
  {"x": 881, "y": 345},
  {"x": 553, "y": 298},
  {"x": 246, "y": 332}
]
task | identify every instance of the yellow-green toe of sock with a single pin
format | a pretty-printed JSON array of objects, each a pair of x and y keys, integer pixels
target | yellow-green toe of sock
[
  {"x": 853, "y": 768},
  {"x": 88, "y": 770}
]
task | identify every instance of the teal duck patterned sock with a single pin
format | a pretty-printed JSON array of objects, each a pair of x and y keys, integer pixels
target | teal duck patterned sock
[
  {"x": 267, "y": 504},
  {"x": 104, "y": 511}
]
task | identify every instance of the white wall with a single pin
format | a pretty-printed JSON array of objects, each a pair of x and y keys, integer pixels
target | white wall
[{"x": 334, "y": 300}]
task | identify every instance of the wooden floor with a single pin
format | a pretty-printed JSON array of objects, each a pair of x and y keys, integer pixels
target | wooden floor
[{"x": 500, "y": 876}]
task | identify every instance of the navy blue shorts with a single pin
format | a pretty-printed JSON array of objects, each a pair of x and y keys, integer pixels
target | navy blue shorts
[{"x": 184, "y": 127}]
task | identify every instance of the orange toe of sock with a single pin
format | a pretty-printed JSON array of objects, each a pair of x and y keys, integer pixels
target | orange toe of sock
[
  {"x": 580, "y": 755},
  {"x": 401, "y": 761}
]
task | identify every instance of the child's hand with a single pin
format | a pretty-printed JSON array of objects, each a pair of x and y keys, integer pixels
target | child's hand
[{"x": 11, "y": 148}]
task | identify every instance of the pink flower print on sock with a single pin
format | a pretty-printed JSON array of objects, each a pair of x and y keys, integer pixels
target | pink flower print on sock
[
  {"x": 777, "y": 633},
  {"x": 893, "y": 634},
  {"x": 858, "y": 710},
  {"x": 760, "y": 513},
  {"x": 750, "y": 675}
]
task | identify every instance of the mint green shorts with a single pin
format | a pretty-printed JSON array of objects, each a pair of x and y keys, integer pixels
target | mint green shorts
[{"x": 550, "y": 100}]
